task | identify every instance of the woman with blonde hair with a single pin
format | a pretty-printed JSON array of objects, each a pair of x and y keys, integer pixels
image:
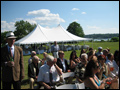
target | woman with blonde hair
[{"x": 44, "y": 58}]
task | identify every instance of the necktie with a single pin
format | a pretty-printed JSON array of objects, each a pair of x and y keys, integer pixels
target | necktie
[
  {"x": 51, "y": 78},
  {"x": 11, "y": 53}
]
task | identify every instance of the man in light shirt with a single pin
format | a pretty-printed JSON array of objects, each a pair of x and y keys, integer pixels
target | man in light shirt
[
  {"x": 46, "y": 69},
  {"x": 54, "y": 49},
  {"x": 111, "y": 63}
]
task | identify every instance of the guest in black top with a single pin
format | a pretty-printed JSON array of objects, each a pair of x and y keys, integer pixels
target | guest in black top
[{"x": 62, "y": 63}]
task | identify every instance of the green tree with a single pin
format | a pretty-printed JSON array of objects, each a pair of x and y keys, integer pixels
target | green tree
[
  {"x": 3, "y": 37},
  {"x": 115, "y": 39},
  {"x": 23, "y": 28},
  {"x": 75, "y": 29}
]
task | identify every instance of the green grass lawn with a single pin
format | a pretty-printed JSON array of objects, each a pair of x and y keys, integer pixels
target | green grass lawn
[{"x": 112, "y": 45}]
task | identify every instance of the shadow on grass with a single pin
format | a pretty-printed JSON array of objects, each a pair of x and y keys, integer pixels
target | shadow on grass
[{"x": 25, "y": 82}]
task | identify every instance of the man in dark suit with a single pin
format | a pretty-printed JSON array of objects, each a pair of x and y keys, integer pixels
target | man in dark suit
[
  {"x": 33, "y": 70},
  {"x": 12, "y": 63},
  {"x": 61, "y": 62}
]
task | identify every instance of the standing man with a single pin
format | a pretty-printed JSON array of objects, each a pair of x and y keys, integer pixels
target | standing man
[
  {"x": 12, "y": 63},
  {"x": 54, "y": 49}
]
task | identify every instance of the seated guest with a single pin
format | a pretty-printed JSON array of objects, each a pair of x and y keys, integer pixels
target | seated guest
[
  {"x": 104, "y": 70},
  {"x": 33, "y": 53},
  {"x": 116, "y": 56},
  {"x": 61, "y": 62},
  {"x": 105, "y": 53},
  {"x": 49, "y": 74},
  {"x": 33, "y": 70},
  {"x": 113, "y": 67},
  {"x": 99, "y": 51},
  {"x": 91, "y": 54},
  {"x": 44, "y": 58},
  {"x": 91, "y": 81},
  {"x": 73, "y": 60},
  {"x": 80, "y": 68},
  {"x": 83, "y": 51}
]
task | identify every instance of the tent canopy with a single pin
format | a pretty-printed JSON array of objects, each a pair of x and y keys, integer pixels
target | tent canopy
[{"x": 44, "y": 35}]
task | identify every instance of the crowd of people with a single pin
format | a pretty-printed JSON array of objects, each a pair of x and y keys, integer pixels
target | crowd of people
[{"x": 91, "y": 67}]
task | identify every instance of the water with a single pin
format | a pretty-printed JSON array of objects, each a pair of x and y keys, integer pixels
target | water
[{"x": 105, "y": 39}]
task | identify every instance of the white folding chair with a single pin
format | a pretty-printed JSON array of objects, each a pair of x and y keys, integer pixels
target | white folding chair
[
  {"x": 67, "y": 75},
  {"x": 80, "y": 85},
  {"x": 67, "y": 86}
]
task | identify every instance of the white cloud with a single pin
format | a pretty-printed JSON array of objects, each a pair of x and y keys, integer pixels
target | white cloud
[
  {"x": 44, "y": 17},
  {"x": 83, "y": 13},
  {"x": 7, "y": 26},
  {"x": 75, "y": 9}
]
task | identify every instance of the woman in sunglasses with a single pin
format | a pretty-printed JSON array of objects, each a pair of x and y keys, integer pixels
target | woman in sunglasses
[
  {"x": 104, "y": 71},
  {"x": 91, "y": 81}
]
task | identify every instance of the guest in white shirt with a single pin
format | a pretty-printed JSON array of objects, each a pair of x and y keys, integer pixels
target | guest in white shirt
[
  {"x": 112, "y": 65},
  {"x": 44, "y": 77}
]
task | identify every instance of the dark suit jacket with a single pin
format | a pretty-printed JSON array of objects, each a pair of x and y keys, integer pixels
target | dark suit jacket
[
  {"x": 59, "y": 63},
  {"x": 31, "y": 72},
  {"x": 18, "y": 70}
]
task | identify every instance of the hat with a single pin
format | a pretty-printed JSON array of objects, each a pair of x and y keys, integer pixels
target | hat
[
  {"x": 99, "y": 47},
  {"x": 60, "y": 52},
  {"x": 10, "y": 35},
  {"x": 49, "y": 58}
]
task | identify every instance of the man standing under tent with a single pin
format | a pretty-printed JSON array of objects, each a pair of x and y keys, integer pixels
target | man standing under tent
[{"x": 54, "y": 49}]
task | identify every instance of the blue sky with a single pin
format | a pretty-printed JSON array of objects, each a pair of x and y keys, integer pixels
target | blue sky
[{"x": 93, "y": 16}]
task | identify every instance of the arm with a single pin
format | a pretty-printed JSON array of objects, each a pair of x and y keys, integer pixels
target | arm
[{"x": 45, "y": 85}]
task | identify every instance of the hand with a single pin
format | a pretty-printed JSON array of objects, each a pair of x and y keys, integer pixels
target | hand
[
  {"x": 10, "y": 63},
  {"x": 55, "y": 60}
]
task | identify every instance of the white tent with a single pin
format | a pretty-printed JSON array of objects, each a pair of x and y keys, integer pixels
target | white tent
[{"x": 43, "y": 35}]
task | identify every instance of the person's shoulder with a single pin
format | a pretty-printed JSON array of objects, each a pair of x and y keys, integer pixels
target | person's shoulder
[{"x": 19, "y": 48}]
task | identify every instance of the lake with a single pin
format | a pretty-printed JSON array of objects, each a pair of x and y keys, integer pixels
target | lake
[{"x": 105, "y": 39}]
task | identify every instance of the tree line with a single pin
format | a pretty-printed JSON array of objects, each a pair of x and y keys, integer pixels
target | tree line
[{"x": 102, "y": 36}]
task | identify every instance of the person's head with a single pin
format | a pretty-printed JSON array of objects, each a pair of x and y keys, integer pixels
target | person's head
[
  {"x": 116, "y": 54},
  {"x": 84, "y": 58},
  {"x": 90, "y": 49},
  {"x": 33, "y": 53},
  {"x": 61, "y": 54},
  {"x": 100, "y": 49},
  {"x": 55, "y": 43},
  {"x": 35, "y": 59},
  {"x": 91, "y": 68},
  {"x": 105, "y": 52},
  {"x": 10, "y": 38},
  {"x": 73, "y": 55},
  {"x": 91, "y": 54},
  {"x": 82, "y": 51},
  {"x": 50, "y": 60},
  {"x": 110, "y": 56},
  {"x": 101, "y": 59}
]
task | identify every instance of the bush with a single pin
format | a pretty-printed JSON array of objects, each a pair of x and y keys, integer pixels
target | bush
[{"x": 114, "y": 39}]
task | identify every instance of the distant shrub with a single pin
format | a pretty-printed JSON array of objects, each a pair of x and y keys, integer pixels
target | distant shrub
[{"x": 114, "y": 39}]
